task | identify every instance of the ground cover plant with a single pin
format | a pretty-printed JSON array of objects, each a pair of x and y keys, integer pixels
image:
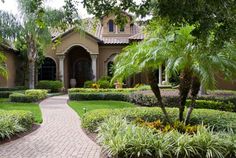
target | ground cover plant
[{"x": 83, "y": 107}]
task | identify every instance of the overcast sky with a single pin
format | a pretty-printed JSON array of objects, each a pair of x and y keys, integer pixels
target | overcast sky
[{"x": 11, "y": 6}]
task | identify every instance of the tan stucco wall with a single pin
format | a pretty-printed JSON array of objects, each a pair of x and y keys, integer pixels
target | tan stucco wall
[
  {"x": 221, "y": 83},
  {"x": 106, "y": 52},
  {"x": 105, "y": 31},
  {"x": 77, "y": 39},
  {"x": 11, "y": 64}
]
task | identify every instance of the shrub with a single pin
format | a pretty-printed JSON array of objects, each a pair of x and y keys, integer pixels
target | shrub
[
  {"x": 219, "y": 120},
  {"x": 172, "y": 101},
  {"x": 122, "y": 139},
  {"x": 103, "y": 84},
  {"x": 92, "y": 90},
  {"x": 40, "y": 94},
  {"x": 12, "y": 122},
  {"x": 53, "y": 86},
  {"x": 22, "y": 98},
  {"x": 98, "y": 96},
  {"x": 106, "y": 78},
  {"x": 18, "y": 88},
  {"x": 88, "y": 84},
  {"x": 5, "y": 94}
]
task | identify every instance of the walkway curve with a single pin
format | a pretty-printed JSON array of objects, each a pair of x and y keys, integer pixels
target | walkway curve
[{"x": 60, "y": 136}]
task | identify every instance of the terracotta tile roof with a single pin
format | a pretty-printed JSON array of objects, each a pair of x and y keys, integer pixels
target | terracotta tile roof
[{"x": 138, "y": 36}]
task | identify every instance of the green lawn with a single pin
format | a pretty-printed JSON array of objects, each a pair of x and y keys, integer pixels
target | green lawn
[
  {"x": 92, "y": 105},
  {"x": 34, "y": 108}
]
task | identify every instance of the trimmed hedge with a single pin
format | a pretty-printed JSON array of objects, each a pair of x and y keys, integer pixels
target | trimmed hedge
[
  {"x": 98, "y": 96},
  {"x": 218, "y": 120},
  {"x": 22, "y": 98},
  {"x": 92, "y": 90},
  {"x": 5, "y": 94},
  {"x": 224, "y": 104},
  {"x": 30, "y": 96},
  {"x": 53, "y": 86},
  {"x": 18, "y": 88},
  {"x": 13, "y": 122}
]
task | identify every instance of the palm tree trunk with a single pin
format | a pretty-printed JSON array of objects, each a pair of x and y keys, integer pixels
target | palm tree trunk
[
  {"x": 185, "y": 83},
  {"x": 195, "y": 86},
  {"x": 31, "y": 75},
  {"x": 156, "y": 90}
]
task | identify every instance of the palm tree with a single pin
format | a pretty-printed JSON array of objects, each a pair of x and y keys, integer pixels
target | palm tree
[
  {"x": 183, "y": 54},
  {"x": 35, "y": 26}
]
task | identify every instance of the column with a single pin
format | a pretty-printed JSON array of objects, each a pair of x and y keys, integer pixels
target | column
[
  {"x": 61, "y": 68},
  {"x": 166, "y": 78},
  {"x": 94, "y": 65},
  {"x": 160, "y": 75}
]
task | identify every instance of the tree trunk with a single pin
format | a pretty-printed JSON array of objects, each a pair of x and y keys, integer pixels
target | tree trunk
[
  {"x": 156, "y": 90},
  {"x": 195, "y": 86},
  {"x": 31, "y": 75},
  {"x": 32, "y": 57},
  {"x": 184, "y": 87}
]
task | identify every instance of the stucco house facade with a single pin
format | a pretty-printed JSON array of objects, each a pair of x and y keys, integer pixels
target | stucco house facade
[{"x": 87, "y": 55}]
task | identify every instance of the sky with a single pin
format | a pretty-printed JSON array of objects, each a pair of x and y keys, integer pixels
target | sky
[{"x": 11, "y": 6}]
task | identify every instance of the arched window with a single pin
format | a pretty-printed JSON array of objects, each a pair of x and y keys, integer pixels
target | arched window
[
  {"x": 47, "y": 70},
  {"x": 110, "y": 69},
  {"x": 111, "y": 25}
]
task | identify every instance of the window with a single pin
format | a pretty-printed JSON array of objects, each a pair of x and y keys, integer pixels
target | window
[
  {"x": 110, "y": 69},
  {"x": 111, "y": 25},
  {"x": 48, "y": 70}
]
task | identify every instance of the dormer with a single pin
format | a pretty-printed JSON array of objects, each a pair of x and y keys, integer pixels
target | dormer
[{"x": 110, "y": 29}]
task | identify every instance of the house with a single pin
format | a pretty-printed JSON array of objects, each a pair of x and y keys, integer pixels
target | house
[{"x": 88, "y": 55}]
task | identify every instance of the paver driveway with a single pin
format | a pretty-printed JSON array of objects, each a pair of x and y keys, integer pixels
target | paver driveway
[{"x": 60, "y": 136}]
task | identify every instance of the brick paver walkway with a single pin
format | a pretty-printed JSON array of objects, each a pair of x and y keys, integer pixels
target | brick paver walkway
[{"x": 60, "y": 136}]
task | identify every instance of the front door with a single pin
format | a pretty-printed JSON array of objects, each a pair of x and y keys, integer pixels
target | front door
[{"x": 83, "y": 71}]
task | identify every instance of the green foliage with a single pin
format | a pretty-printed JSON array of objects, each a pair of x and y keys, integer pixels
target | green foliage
[
  {"x": 30, "y": 96},
  {"x": 98, "y": 96},
  {"x": 89, "y": 84},
  {"x": 103, "y": 84},
  {"x": 5, "y": 94},
  {"x": 218, "y": 120},
  {"x": 122, "y": 139},
  {"x": 17, "y": 88},
  {"x": 22, "y": 98},
  {"x": 82, "y": 107},
  {"x": 3, "y": 69},
  {"x": 52, "y": 86},
  {"x": 38, "y": 93},
  {"x": 13, "y": 122},
  {"x": 92, "y": 90}
]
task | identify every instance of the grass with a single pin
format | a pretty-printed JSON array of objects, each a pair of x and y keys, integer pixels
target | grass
[
  {"x": 93, "y": 105},
  {"x": 32, "y": 107}
]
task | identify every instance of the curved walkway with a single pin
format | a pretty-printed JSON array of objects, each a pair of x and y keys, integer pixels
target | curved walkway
[{"x": 60, "y": 136}]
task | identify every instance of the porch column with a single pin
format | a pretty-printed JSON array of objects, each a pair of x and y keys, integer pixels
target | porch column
[
  {"x": 166, "y": 77},
  {"x": 160, "y": 75},
  {"x": 61, "y": 68},
  {"x": 94, "y": 65}
]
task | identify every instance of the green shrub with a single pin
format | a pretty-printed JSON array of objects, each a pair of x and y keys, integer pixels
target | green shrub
[
  {"x": 18, "y": 88},
  {"x": 103, "y": 84},
  {"x": 172, "y": 101},
  {"x": 13, "y": 122},
  {"x": 5, "y": 94},
  {"x": 92, "y": 90},
  {"x": 106, "y": 78},
  {"x": 22, "y": 98},
  {"x": 219, "y": 120},
  {"x": 53, "y": 86},
  {"x": 98, "y": 96},
  {"x": 119, "y": 138},
  {"x": 89, "y": 84},
  {"x": 40, "y": 94}
]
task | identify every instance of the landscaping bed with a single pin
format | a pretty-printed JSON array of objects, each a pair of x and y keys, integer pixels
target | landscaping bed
[{"x": 121, "y": 136}]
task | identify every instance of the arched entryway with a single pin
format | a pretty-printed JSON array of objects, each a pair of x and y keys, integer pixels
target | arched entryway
[
  {"x": 79, "y": 66},
  {"x": 47, "y": 70}
]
